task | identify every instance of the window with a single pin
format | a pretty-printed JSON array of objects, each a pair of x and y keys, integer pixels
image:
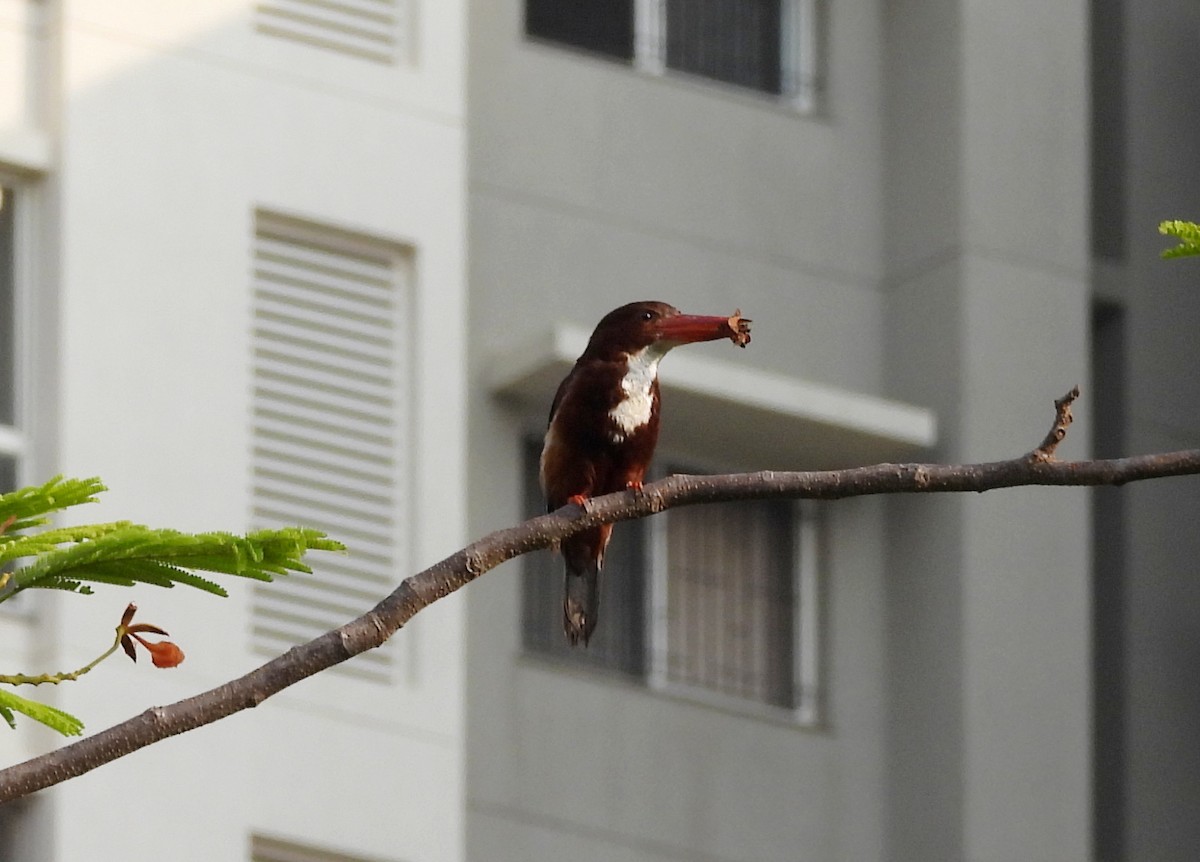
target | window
[
  {"x": 23, "y": 827},
  {"x": 1111, "y": 571},
  {"x": 328, "y": 426},
  {"x": 619, "y": 640},
  {"x": 715, "y": 602},
  {"x": 736, "y": 41},
  {"x": 725, "y": 599},
  {"x": 763, "y": 45},
  {"x": 15, "y": 296},
  {"x": 12, "y": 440},
  {"x": 605, "y": 26}
]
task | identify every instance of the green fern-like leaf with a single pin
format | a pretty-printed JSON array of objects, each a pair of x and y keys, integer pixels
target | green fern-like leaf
[
  {"x": 56, "y": 719},
  {"x": 32, "y": 544},
  {"x": 64, "y": 584},
  {"x": 1188, "y": 234},
  {"x": 122, "y": 554},
  {"x": 27, "y": 507},
  {"x": 126, "y": 554}
]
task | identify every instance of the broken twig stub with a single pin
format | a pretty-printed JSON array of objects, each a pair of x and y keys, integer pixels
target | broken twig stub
[{"x": 1058, "y": 431}]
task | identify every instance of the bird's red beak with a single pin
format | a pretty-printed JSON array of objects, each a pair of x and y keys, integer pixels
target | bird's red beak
[{"x": 689, "y": 328}]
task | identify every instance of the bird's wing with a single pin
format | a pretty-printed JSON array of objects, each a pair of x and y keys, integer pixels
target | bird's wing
[{"x": 558, "y": 395}]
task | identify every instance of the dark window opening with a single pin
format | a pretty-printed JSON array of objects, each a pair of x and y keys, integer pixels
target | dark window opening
[
  {"x": 604, "y": 26},
  {"x": 724, "y": 603},
  {"x": 618, "y": 642},
  {"x": 730, "y": 599},
  {"x": 8, "y": 279},
  {"x": 1109, "y": 573},
  {"x": 735, "y": 41}
]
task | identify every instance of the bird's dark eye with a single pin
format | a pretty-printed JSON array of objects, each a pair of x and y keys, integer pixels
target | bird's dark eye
[{"x": 647, "y": 315}]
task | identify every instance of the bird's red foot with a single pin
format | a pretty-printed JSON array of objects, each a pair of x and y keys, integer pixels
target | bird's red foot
[
  {"x": 580, "y": 501},
  {"x": 635, "y": 486}
]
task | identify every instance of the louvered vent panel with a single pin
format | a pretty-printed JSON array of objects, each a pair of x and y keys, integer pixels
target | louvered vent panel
[
  {"x": 367, "y": 29},
  {"x": 328, "y": 384}
]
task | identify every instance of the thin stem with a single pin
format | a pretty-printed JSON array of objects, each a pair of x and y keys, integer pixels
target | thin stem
[{"x": 56, "y": 678}]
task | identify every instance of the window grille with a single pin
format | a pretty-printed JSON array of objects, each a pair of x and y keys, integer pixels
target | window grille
[
  {"x": 618, "y": 642},
  {"x": 12, "y": 435},
  {"x": 328, "y": 423},
  {"x": 15, "y": 315},
  {"x": 729, "y": 599},
  {"x": 717, "y": 602},
  {"x": 604, "y": 26},
  {"x": 763, "y": 45},
  {"x": 735, "y": 41},
  {"x": 8, "y": 307}
]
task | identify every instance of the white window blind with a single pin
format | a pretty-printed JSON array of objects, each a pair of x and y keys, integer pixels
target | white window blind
[
  {"x": 367, "y": 29},
  {"x": 329, "y": 377}
]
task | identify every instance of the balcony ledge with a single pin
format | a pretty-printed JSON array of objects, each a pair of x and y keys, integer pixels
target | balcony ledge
[{"x": 728, "y": 415}]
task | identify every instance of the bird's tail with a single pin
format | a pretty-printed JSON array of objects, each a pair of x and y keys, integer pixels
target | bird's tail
[
  {"x": 584, "y": 556},
  {"x": 581, "y": 604}
]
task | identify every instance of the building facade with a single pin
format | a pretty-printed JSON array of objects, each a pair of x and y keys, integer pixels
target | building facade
[
  {"x": 325, "y": 262},
  {"x": 235, "y": 224}
]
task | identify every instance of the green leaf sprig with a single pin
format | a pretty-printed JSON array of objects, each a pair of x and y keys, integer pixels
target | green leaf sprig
[
  {"x": 1188, "y": 234},
  {"x": 122, "y": 553}
]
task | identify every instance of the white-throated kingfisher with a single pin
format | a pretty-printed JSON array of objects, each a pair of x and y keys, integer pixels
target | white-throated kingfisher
[{"x": 604, "y": 426}]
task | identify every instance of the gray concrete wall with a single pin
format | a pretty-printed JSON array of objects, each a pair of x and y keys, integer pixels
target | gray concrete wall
[
  {"x": 988, "y": 597},
  {"x": 1160, "y": 697},
  {"x": 591, "y": 185},
  {"x": 924, "y": 237}
]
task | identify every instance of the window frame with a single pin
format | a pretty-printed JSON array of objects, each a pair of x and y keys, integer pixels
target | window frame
[
  {"x": 808, "y": 535},
  {"x": 798, "y": 50},
  {"x": 16, "y": 439}
]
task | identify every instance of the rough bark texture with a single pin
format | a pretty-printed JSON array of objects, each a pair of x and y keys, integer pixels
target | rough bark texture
[{"x": 1038, "y": 467}]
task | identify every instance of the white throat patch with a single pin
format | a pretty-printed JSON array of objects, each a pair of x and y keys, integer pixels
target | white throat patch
[{"x": 633, "y": 411}]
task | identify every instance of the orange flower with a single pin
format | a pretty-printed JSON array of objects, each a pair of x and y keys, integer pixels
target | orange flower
[{"x": 162, "y": 653}]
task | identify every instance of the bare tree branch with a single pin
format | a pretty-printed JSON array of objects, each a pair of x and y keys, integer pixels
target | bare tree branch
[{"x": 373, "y": 628}]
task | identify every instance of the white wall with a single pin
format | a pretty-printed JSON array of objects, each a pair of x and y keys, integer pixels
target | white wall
[{"x": 176, "y": 123}]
